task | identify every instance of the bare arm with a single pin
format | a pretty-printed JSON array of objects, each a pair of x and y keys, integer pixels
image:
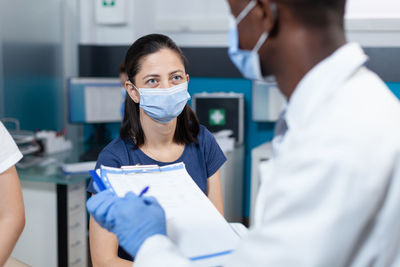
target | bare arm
[
  {"x": 214, "y": 191},
  {"x": 12, "y": 213},
  {"x": 104, "y": 247}
]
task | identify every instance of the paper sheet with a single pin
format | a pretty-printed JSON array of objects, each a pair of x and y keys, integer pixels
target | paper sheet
[{"x": 193, "y": 223}]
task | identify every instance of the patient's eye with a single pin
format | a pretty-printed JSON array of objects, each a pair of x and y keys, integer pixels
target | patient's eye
[
  {"x": 177, "y": 78},
  {"x": 151, "y": 81}
]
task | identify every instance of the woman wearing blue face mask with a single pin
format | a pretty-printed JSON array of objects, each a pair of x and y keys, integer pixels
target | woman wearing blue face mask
[{"x": 158, "y": 128}]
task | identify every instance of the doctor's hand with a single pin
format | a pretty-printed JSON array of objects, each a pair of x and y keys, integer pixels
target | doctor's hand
[{"x": 132, "y": 219}]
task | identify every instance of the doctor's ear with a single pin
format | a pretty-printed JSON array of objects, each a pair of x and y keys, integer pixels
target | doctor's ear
[
  {"x": 132, "y": 92},
  {"x": 270, "y": 14},
  {"x": 187, "y": 78}
]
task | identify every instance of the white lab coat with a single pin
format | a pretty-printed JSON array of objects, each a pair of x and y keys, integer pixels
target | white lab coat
[
  {"x": 9, "y": 152},
  {"x": 331, "y": 196}
]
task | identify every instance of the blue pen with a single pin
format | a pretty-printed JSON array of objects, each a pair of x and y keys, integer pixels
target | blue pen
[
  {"x": 98, "y": 183},
  {"x": 144, "y": 190}
]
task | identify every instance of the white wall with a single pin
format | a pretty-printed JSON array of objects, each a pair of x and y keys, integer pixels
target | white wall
[
  {"x": 374, "y": 23},
  {"x": 91, "y": 33},
  {"x": 30, "y": 22},
  {"x": 373, "y": 9},
  {"x": 71, "y": 36},
  {"x": 2, "y": 5},
  {"x": 187, "y": 22},
  {"x": 205, "y": 22}
]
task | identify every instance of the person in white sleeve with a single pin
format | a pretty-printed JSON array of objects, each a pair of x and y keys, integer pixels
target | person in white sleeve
[
  {"x": 12, "y": 213},
  {"x": 330, "y": 196}
]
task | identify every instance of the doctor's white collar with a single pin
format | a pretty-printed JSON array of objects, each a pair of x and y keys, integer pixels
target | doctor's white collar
[{"x": 322, "y": 80}]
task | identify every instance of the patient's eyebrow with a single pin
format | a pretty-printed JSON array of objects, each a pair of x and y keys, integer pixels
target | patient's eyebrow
[
  {"x": 151, "y": 75},
  {"x": 175, "y": 71}
]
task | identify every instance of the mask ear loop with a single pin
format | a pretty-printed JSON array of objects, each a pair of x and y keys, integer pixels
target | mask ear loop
[
  {"x": 135, "y": 89},
  {"x": 260, "y": 41},
  {"x": 245, "y": 11},
  {"x": 133, "y": 85},
  {"x": 265, "y": 35}
]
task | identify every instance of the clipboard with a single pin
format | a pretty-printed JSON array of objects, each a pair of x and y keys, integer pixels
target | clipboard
[{"x": 193, "y": 223}]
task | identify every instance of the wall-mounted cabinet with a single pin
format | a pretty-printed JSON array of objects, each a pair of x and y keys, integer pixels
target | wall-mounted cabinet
[{"x": 192, "y": 16}]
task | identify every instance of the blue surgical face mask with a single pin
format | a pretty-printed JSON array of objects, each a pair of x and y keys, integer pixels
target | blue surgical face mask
[
  {"x": 247, "y": 61},
  {"x": 164, "y": 104}
]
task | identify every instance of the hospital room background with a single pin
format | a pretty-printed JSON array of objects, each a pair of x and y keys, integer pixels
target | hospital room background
[{"x": 50, "y": 48}]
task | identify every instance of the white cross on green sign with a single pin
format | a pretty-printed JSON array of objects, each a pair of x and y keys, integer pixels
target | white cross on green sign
[{"x": 216, "y": 117}]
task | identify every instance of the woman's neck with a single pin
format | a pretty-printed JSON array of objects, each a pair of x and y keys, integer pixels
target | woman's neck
[{"x": 157, "y": 135}]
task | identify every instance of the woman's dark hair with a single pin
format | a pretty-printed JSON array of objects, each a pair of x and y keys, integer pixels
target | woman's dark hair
[
  {"x": 187, "y": 126},
  {"x": 122, "y": 67}
]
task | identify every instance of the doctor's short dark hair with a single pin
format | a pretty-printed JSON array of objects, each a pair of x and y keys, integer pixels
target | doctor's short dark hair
[
  {"x": 316, "y": 13},
  {"x": 187, "y": 125}
]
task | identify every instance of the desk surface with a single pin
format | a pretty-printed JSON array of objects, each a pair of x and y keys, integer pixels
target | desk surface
[{"x": 51, "y": 172}]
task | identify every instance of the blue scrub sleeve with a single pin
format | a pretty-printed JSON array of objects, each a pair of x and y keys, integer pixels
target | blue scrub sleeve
[{"x": 214, "y": 156}]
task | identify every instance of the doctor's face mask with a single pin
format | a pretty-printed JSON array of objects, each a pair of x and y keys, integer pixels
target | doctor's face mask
[{"x": 247, "y": 61}]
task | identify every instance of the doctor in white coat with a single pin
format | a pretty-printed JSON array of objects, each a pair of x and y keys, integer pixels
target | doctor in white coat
[{"x": 332, "y": 196}]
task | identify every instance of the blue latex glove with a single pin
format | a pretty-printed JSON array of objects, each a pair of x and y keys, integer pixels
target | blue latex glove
[
  {"x": 99, "y": 206},
  {"x": 132, "y": 219}
]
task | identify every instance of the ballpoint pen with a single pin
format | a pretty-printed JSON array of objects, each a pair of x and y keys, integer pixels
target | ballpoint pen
[{"x": 144, "y": 190}]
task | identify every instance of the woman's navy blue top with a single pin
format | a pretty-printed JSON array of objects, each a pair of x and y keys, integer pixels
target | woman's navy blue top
[{"x": 201, "y": 160}]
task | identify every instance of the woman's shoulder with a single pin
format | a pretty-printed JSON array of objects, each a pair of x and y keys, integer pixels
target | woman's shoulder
[
  {"x": 205, "y": 137},
  {"x": 114, "y": 154},
  {"x": 115, "y": 145},
  {"x": 212, "y": 153},
  {"x": 204, "y": 133}
]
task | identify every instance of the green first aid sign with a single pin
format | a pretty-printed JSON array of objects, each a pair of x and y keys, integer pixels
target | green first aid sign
[
  {"x": 216, "y": 117},
  {"x": 109, "y": 2}
]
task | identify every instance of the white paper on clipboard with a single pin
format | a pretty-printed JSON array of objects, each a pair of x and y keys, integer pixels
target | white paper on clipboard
[{"x": 193, "y": 223}]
